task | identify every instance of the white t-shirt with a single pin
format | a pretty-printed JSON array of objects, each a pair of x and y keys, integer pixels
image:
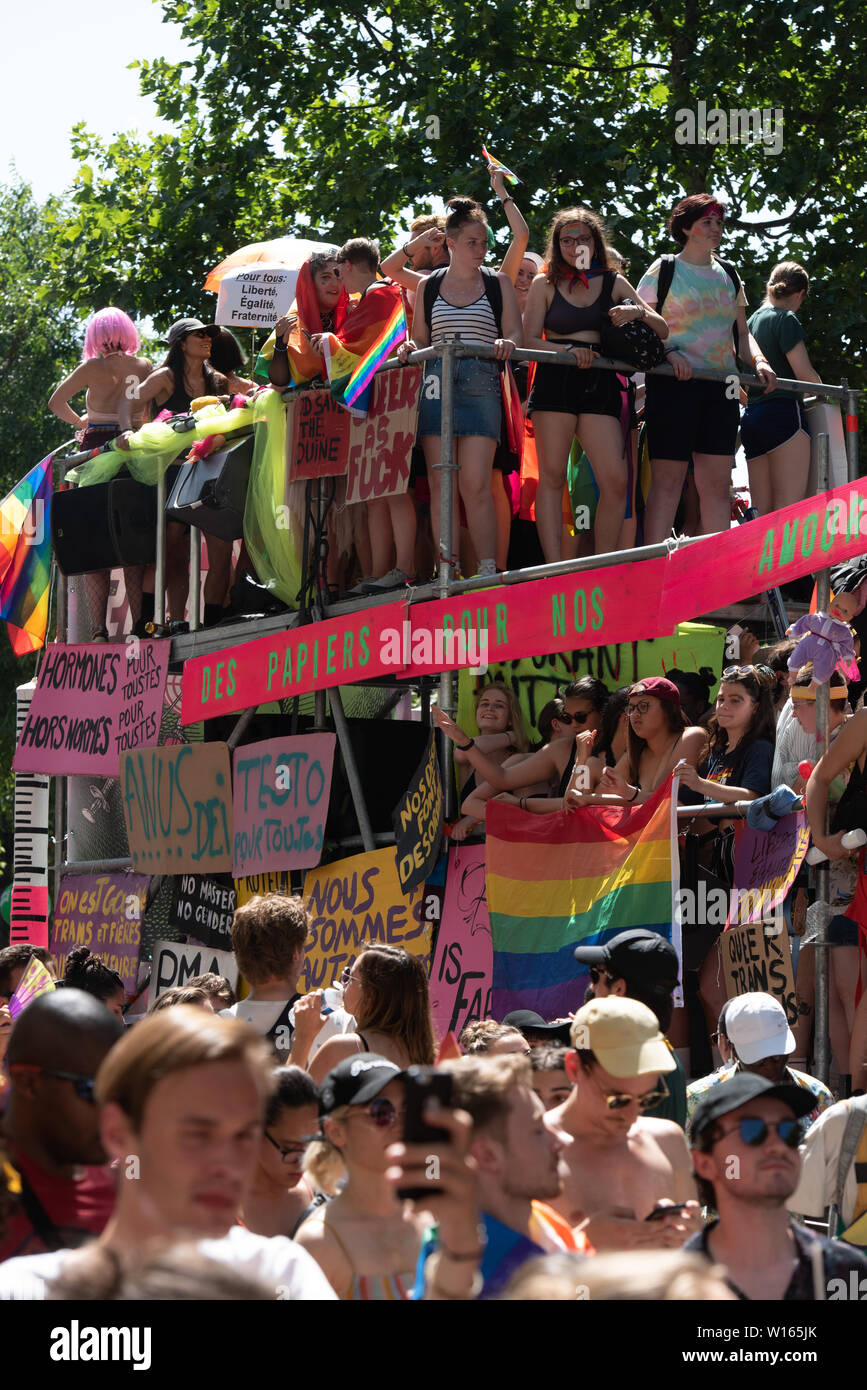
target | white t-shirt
[
  {"x": 264, "y": 1015},
  {"x": 275, "y": 1261},
  {"x": 820, "y": 1157}
]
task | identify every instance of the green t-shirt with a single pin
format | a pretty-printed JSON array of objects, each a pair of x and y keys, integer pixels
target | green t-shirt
[
  {"x": 674, "y": 1105},
  {"x": 776, "y": 331}
]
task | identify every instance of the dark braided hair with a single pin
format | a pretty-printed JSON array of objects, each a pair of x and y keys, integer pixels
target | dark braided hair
[{"x": 86, "y": 971}]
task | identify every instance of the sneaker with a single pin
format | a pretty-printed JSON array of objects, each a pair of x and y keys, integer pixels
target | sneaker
[
  {"x": 395, "y": 579},
  {"x": 487, "y": 570},
  {"x": 358, "y": 591}
]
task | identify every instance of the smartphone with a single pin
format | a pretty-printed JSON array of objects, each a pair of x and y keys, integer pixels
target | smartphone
[
  {"x": 659, "y": 1212},
  {"x": 420, "y": 1085}
]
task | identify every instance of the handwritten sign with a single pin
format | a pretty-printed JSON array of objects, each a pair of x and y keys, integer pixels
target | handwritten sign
[
  {"x": 204, "y": 908},
  {"x": 463, "y": 962},
  {"x": 104, "y": 912},
  {"x": 255, "y": 296},
  {"x": 418, "y": 821},
  {"x": 280, "y": 801},
  {"x": 588, "y": 608},
  {"x": 175, "y": 965},
  {"x": 177, "y": 805},
  {"x": 756, "y": 957},
  {"x": 257, "y": 885},
  {"x": 324, "y": 441},
  {"x": 91, "y": 704},
  {"x": 765, "y": 866},
  {"x": 355, "y": 903}
]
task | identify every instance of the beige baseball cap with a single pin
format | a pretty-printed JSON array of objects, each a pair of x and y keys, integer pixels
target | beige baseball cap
[{"x": 623, "y": 1036}]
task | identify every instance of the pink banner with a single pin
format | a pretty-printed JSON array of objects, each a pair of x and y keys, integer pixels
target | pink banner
[
  {"x": 588, "y": 608},
  {"x": 92, "y": 703},
  {"x": 460, "y": 977},
  {"x": 280, "y": 798}
]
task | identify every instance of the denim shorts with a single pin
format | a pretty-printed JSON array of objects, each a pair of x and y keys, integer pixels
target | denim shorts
[
  {"x": 766, "y": 424},
  {"x": 477, "y": 399}
]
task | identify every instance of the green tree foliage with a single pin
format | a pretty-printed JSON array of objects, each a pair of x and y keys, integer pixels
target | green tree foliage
[{"x": 313, "y": 118}]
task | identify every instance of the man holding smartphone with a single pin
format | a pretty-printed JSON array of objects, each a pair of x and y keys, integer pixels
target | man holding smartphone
[{"x": 629, "y": 1176}]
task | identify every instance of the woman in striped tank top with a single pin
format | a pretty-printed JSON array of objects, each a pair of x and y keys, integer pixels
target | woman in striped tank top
[{"x": 462, "y": 306}]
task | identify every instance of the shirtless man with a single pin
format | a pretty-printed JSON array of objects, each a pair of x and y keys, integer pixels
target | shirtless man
[{"x": 622, "y": 1166}]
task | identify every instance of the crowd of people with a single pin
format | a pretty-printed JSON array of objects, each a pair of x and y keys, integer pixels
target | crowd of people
[{"x": 579, "y": 436}]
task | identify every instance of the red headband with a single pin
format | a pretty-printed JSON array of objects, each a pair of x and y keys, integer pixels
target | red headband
[{"x": 714, "y": 210}]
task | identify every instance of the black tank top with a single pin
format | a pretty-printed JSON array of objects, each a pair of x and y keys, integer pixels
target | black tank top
[
  {"x": 567, "y": 772},
  {"x": 851, "y": 810},
  {"x": 564, "y": 318}
]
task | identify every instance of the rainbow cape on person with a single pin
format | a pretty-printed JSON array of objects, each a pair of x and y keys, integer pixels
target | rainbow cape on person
[
  {"x": 25, "y": 558},
  {"x": 572, "y": 878},
  {"x": 370, "y": 335}
]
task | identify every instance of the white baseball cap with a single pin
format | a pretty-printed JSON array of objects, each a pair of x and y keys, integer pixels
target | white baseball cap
[{"x": 757, "y": 1027}]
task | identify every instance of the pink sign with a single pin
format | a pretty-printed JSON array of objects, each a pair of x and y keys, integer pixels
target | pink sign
[
  {"x": 460, "y": 977},
  {"x": 281, "y": 789},
  {"x": 92, "y": 703}
]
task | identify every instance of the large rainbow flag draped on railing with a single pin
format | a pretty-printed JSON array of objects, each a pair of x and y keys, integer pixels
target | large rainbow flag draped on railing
[
  {"x": 370, "y": 334},
  {"x": 25, "y": 558},
  {"x": 559, "y": 880}
]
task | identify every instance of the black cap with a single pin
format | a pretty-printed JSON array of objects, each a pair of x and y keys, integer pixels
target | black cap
[
  {"x": 355, "y": 1081},
  {"x": 638, "y": 955},
  {"x": 527, "y": 1022},
  {"x": 182, "y": 327},
  {"x": 725, "y": 1096}
]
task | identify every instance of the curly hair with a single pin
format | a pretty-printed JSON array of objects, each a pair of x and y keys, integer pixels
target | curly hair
[
  {"x": 86, "y": 971},
  {"x": 267, "y": 935}
]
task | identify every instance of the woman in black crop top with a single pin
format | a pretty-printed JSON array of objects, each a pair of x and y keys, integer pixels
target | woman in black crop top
[{"x": 567, "y": 309}]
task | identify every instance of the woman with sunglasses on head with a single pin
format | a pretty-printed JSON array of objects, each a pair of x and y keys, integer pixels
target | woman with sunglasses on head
[
  {"x": 689, "y": 419},
  {"x": 582, "y": 701},
  {"x": 281, "y": 1194},
  {"x": 581, "y": 293},
  {"x": 386, "y": 991},
  {"x": 366, "y": 1240}
]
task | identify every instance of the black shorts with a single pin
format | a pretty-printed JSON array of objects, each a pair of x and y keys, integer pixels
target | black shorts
[
  {"x": 689, "y": 417},
  {"x": 575, "y": 390}
]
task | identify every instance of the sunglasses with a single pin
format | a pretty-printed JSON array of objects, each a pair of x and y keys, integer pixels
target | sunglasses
[
  {"x": 597, "y": 972},
  {"x": 620, "y": 1100},
  {"x": 754, "y": 1132},
  {"x": 575, "y": 718},
  {"x": 290, "y": 1150},
  {"x": 345, "y": 975},
  {"x": 198, "y": 333},
  {"x": 83, "y": 1084},
  {"x": 382, "y": 1111},
  {"x": 759, "y": 672}
]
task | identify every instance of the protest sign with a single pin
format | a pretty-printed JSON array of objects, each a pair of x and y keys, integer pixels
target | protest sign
[
  {"x": 177, "y": 805},
  {"x": 255, "y": 296},
  {"x": 756, "y": 957},
  {"x": 105, "y": 913},
  {"x": 586, "y": 608},
  {"x": 91, "y": 704},
  {"x": 463, "y": 961},
  {"x": 765, "y": 866},
  {"x": 257, "y": 885},
  {"x": 175, "y": 965},
  {"x": 373, "y": 453},
  {"x": 355, "y": 903},
  {"x": 204, "y": 908},
  {"x": 280, "y": 802},
  {"x": 418, "y": 821}
]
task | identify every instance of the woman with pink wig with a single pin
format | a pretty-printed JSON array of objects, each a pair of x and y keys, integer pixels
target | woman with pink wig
[{"x": 110, "y": 372}]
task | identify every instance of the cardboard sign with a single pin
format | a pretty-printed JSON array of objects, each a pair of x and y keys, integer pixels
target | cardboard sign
[
  {"x": 324, "y": 441},
  {"x": 418, "y": 821},
  {"x": 103, "y": 912},
  {"x": 257, "y": 885},
  {"x": 280, "y": 801},
  {"x": 355, "y": 903},
  {"x": 177, "y": 805},
  {"x": 255, "y": 296},
  {"x": 175, "y": 965},
  {"x": 756, "y": 957},
  {"x": 587, "y": 608},
  {"x": 765, "y": 866},
  {"x": 460, "y": 977},
  {"x": 91, "y": 704},
  {"x": 204, "y": 908}
]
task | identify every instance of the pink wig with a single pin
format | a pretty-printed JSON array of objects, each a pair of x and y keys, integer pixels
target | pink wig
[{"x": 108, "y": 330}]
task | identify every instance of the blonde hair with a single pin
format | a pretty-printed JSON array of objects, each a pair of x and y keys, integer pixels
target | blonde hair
[
  {"x": 787, "y": 277},
  {"x": 172, "y": 1041},
  {"x": 323, "y": 1161},
  {"x": 516, "y": 717},
  {"x": 665, "y": 1276},
  {"x": 427, "y": 224},
  {"x": 484, "y": 1087}
]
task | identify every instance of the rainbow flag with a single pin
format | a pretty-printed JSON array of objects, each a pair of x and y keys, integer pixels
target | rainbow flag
[
  {"x": 373, "y": 328},
  {"x": 572, "y": 878},
  {"x": 393, "y": 333},
  {"x": 498, "y": 164},
  {"x": 25, "y": 558}
]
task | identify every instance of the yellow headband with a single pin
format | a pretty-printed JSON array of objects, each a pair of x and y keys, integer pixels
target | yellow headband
[{"x": 808, "y": 692}]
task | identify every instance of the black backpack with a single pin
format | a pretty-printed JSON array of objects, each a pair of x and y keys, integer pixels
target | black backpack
[
  {"x": 493, "y": 293},
  {"x": 666, "y": 275}
]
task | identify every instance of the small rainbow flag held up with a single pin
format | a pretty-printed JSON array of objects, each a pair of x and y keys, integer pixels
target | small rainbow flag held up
[
  {"x": 25, "y": 558},
  {"x": 572, "y": 878},
  {"x": 393, "y": 333},
  {"x": 497, "y": 164},
  {"x": 35, "y": 981}
]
